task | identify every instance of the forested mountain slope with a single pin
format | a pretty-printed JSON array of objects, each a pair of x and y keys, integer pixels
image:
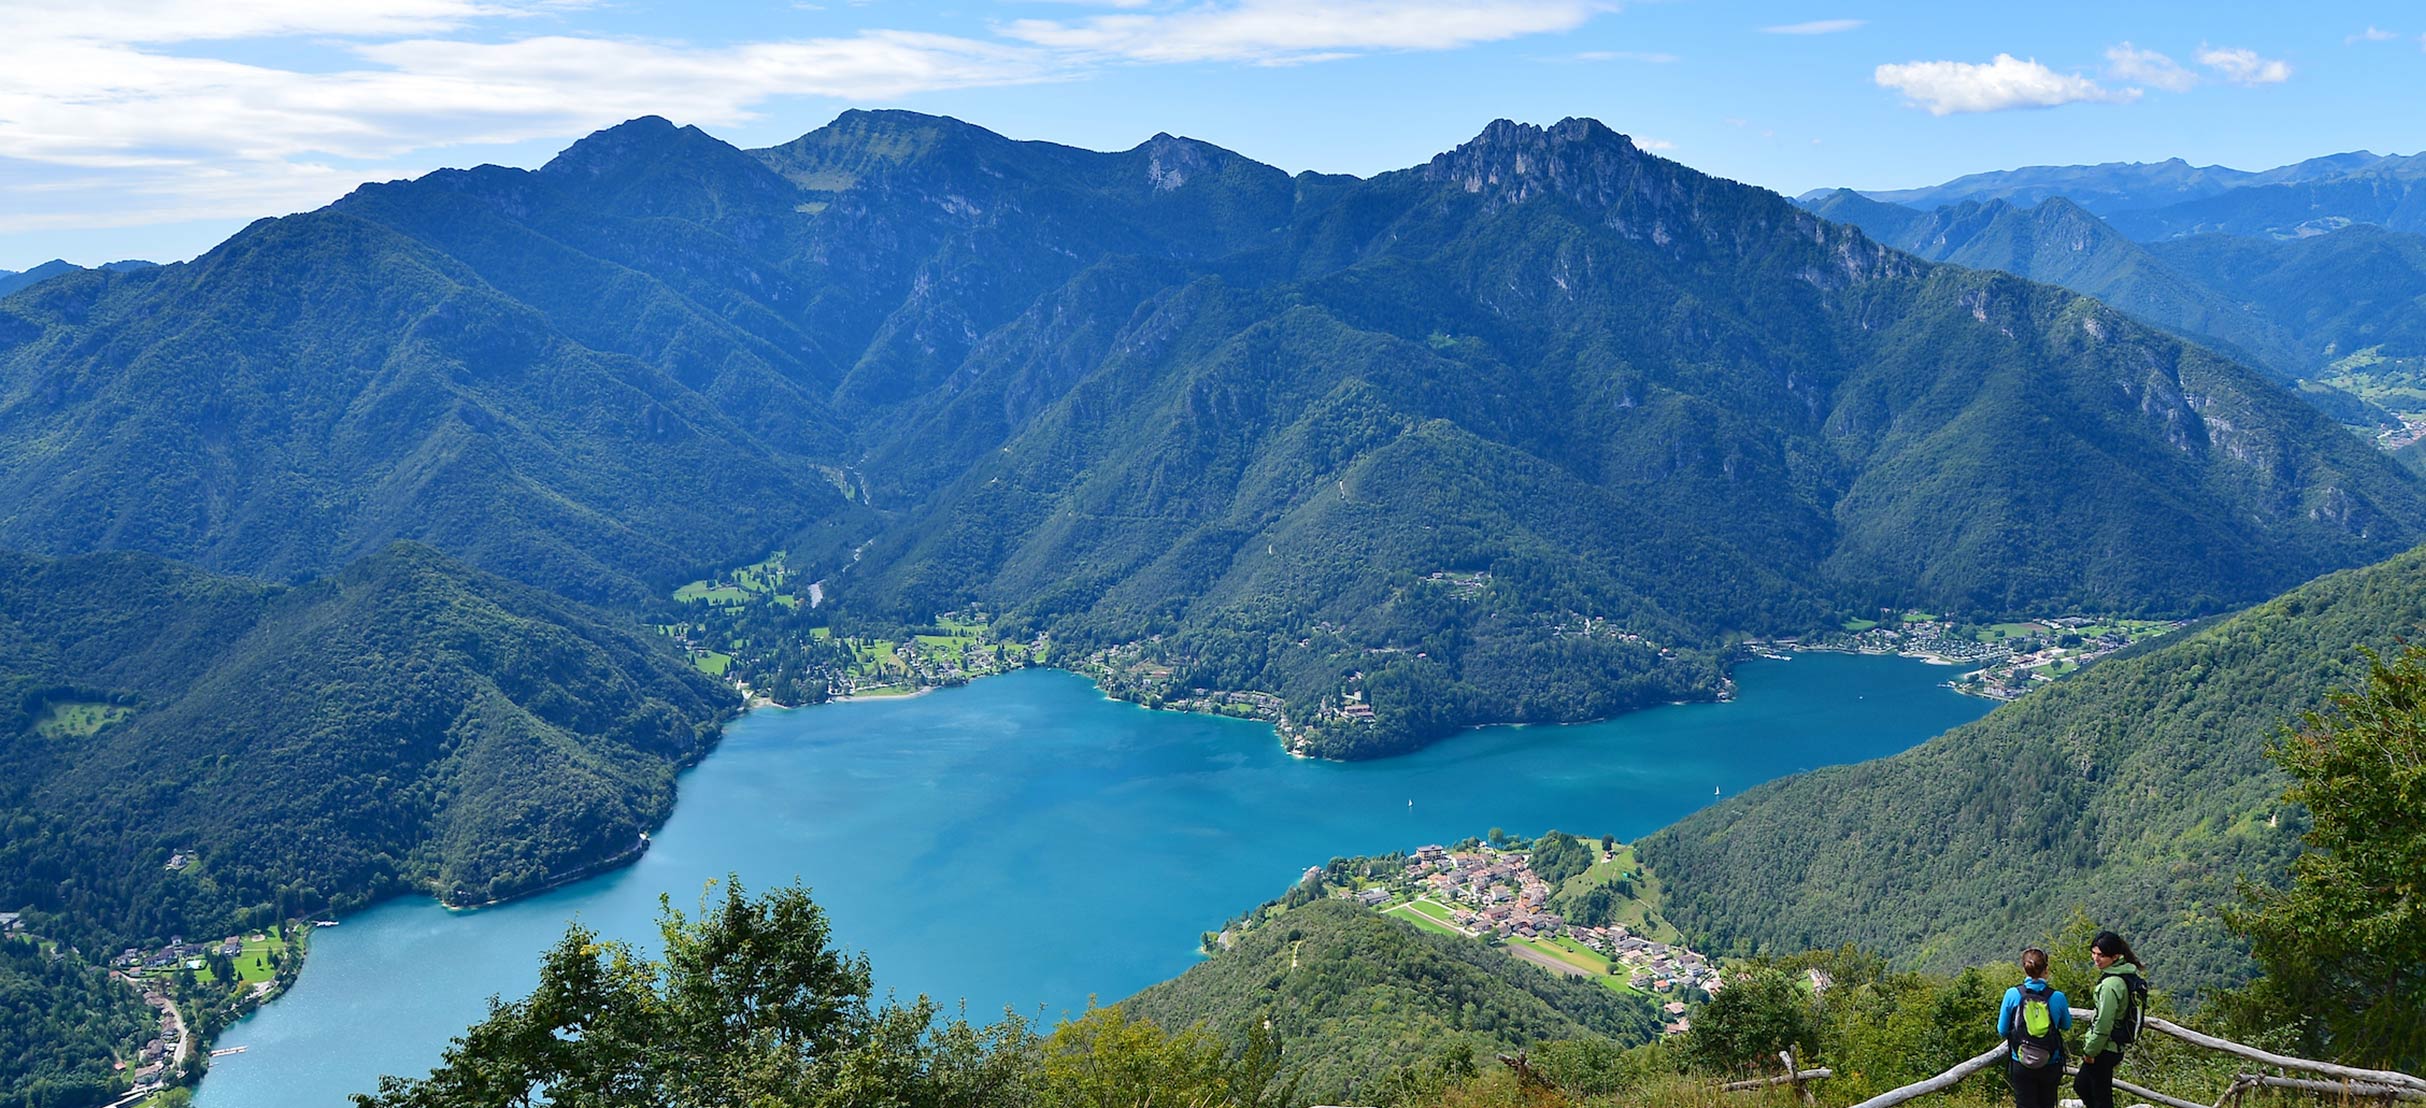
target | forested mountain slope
[
  {"x": 1354, "y": 995},
  {"x": 2340, "y": 313},
  {"x": 2339, "y": 294},
  {"x": 407, "y": 723},
  {"x": 1616, "y": 389},
  {"x": 2137, "y": 790},
  {"x": 1525, "y": 433},
  {"x": 2061, "y": 243}
]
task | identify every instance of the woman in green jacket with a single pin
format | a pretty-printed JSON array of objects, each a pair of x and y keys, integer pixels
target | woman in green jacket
[{"x": 2100, "y": 1053}]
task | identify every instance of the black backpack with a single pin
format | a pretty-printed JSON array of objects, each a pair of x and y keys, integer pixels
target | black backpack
[
  {"x": 2035, "y": 1051},
  {"x": 2135, "y": 1010}
]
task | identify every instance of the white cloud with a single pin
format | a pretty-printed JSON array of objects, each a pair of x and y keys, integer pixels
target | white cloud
[
  {"x": 1646, "y": 143},
  {"x": 1815, "y": 27},
  {"x": 124, "y": 112},
  {"x": 2371, "y": 34},
  {"x": 2243, "y": 66},
  {"x": 2127, "y": 63},
  {"x": 1946, "y": 88},
  {"x": 1282, "y": 30},
  {"x": 163, "y": 21},
  {"x": 104, "y": 104}
]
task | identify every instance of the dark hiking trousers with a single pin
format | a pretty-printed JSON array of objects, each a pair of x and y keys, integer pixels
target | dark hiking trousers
[
  {"x": 2033, "y": 1088},
  {"x": 2096, "y": 1080}
]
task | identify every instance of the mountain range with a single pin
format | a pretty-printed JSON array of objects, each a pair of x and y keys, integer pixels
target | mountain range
[
  {"x": 1172, "y": 399},
  {"x": 2168, "y": 199},
  {"x": 2336, "y": 314}
]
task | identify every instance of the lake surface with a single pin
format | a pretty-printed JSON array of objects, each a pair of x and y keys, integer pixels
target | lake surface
[{"x": 1024, "y": 841}]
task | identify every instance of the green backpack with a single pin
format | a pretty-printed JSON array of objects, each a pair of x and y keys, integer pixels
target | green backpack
[{"x": 2036, "y": 1040}]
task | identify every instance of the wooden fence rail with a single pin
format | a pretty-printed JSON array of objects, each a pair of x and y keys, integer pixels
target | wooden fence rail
[
  {"x": 2388, "y": 1078},
  {"x": 2357, "y": 1090},
  {"x": 2154, "y": 1097},
  {"x": 2353, "y": 1081},
  {"x": 1946, "y": 1080}
]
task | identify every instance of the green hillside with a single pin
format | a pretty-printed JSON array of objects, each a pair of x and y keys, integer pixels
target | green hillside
[
  {"x": 2062, "y": 243},
  {"x": 2138, "y": 790},
  {"x": 405, "y": 724},
  {"x": 1353, "y": 996},
  {"x": 63, "y": 1026}
]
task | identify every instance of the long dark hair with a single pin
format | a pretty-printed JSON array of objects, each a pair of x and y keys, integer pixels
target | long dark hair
[{"x": 2107, "y": 942}]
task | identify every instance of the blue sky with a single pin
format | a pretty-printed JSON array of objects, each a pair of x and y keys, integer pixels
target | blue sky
[{"x": 155, "y": 128}]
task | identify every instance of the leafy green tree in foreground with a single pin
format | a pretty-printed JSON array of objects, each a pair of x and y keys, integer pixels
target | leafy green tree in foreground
[
  {"x": 2344, "y": 947},
  {"x": 751, "y": 1005}
]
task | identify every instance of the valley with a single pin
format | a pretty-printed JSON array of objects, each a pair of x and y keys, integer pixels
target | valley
[{"x": 399, "y": 560}]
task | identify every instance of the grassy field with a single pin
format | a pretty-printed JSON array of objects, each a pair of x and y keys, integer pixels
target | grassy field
[
  {"x": 74, "y": 719},
  {"x": 768, "y": 578},
  {"x": 1640, "y": 913},
  {"x": 1417, "y": 915},
  {"x": 711, "y": 662},
  {"x": 254, "y": 965},
  {"x": 2397, "y": 384}
]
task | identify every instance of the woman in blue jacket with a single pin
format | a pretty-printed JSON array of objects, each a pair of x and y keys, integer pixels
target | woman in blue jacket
[{"x": 2032, "y": 1022}]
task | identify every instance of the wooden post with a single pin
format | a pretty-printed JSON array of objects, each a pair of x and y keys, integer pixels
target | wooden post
[{"x": 1767, "y": 1082}]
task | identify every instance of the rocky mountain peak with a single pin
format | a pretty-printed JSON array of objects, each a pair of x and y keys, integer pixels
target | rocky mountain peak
[{"x": 1576, "y": 157}]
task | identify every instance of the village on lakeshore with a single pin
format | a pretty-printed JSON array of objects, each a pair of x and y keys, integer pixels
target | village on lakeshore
[
  {"x": 195, "y": 989},
  {"x": 758, "y": 628},
  {"x": 2003, "y": 660},
  {"x": 1488, "y": 890}
]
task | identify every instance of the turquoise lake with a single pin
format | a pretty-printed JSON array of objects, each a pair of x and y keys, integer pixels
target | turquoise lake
[{"x": 1024, "y": 841}]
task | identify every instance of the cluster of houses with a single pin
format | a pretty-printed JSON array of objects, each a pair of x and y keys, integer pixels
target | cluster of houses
[
  {"x": 1497, "y": 892},
  {"x": 177, "y": 952}
]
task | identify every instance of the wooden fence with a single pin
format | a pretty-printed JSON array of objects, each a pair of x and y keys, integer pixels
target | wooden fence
[{"x": 2349, "y": 1082}]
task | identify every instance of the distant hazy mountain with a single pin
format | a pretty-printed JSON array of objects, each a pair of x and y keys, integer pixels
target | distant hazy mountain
[
  {"x": 2138, "y": 790},
  {"x": 11, "y": 281},
  {"x": 2336, "y": 294},
  {"x": 1526, "y": 432},
  {"x": 2168, "y": 199},
  {"x": 2299, "y": 307},
  {"x": 2061, "y": 243}
]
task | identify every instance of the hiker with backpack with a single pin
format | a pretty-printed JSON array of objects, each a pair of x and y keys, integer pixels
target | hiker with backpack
[
  {"x": 2032, "y": 1022},
  {"x": 2122, "y": 1005}
]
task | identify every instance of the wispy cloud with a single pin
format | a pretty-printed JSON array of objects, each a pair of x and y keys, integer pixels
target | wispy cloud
[
  {"x": 2132, "y": 65},
  {"x": 1279, "y": 30},
  {"x": 2371, "y": 34},
  {"x": 130, "y": 111},
  {"x": 1815, "y": 27},
  {"x": 1651, "y": 57},
  {"x": 2005, "y": 83},
  {"x": 2243, "y": 66}
]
